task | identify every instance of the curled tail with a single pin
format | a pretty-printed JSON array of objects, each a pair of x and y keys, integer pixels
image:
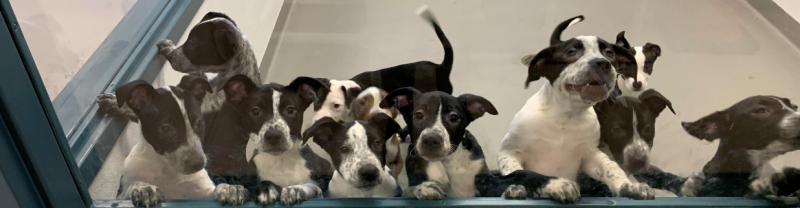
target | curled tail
[{"x": 425, "y": 12}]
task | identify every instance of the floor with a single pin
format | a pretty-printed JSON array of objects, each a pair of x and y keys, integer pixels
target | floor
[{"x": 714, "y": 53}]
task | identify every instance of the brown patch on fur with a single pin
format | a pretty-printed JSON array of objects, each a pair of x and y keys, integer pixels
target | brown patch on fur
[{"x": 395, "y": 163}]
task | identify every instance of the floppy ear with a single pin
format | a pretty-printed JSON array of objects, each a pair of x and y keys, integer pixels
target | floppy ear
[
  {"x": 385, "y": 124},
  {"x": 322, "y": 131},
  {"x": 306, "y": 88},
  {"x": 211, "y": 15},
  {"x": 650, "y": 48},
  {"x": 350, "y": 94},
  {"x": 624, "y": 62},
  {"x": 655, "y": 101},
  {"x": 198, "y": 86},
  {"x": 542, "y": 66},
  {"x": 322, "y": 92},
  {"x": 400, "y": 98},
  {"x": 211, "y": 43},
  {"x": 476, "y": 106},
  {"x": 621, "y": 41},
  {"x": 710, "y": 127},
  {"x": 136, "y": 94},
  {"x": 238, "y": 87}
]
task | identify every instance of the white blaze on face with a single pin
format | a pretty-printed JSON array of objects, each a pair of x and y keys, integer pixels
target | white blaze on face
[
  {"x": 637, "y": 148},
  {"x": 277, "y": 122},
  {"x": 436, "y": 129},
  {"x": 640, "y": 75},
  {"x": 189, "y": 151},
  {"x": 360, "y": 156},
  {"x": 790, "y": 124}
]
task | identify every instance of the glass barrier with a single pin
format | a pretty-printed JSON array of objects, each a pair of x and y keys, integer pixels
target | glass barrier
[{"x": 633, "y": 103}]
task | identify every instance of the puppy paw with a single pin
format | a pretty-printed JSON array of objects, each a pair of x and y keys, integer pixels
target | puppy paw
[
  {"x": 692, "y": 185},
  {"x": 268, "y": 192},
  {"x": 144, "y": 194},
  {"x": 559, "y": 189},
  {"x": 107, "y": 104},
  {"x": 165, "y": 47},
  {"x": 298, "y": 193},
  {"x": 639, "y": 191},
  {"x": 428, "y": 190},
  {"x": 515, "y": 192},
  {"x": 230, "y": 194}
]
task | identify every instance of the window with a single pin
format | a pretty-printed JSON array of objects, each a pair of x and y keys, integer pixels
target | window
[{"x": 689, "y": 100}]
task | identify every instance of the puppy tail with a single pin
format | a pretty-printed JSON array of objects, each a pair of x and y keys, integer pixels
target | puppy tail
[
  {"x": 555, "y": 38},
  {"x": 447, "y": 64}
]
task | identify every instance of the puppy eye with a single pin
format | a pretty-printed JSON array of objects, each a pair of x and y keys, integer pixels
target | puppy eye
[
  {"x": 290, "y": 110},
  {"x": 345, "y": 150},
  {"x": 761, "y": 111},
  {"x": 377, "y": 145},
  {"x": 572, "y": 52},
  {"x": 255, "y": 112},
  {"x": 165, "y": 129},
  {"x": 336, "y": 106},
  {"x": 617, "y": 130},
  {"x": 609, "y": 53},
  {"x": 418, "y": 116},
  {"x": 454, "y": 118}
]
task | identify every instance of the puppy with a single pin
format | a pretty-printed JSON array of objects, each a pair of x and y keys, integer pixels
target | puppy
[
  {"x": 645, "y": 58},
  {"x": 336, "y": 99},
  {"x": 169, "y": 162},
  {"x": 366, "y": 105},
  {"x": 358, "y": 152},
  {"x": 556, "y": 132},
  {"x": 752, "y": 132},
  {"x": 272, "y": 116},
  {"x": 627, "y": 129}
]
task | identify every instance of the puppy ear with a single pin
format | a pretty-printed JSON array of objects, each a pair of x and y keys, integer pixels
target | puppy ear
[
  {"x": 476, "y": 106},
  {"x": 540, "y": 66},
  {"x": 306, "y": 88},
  {"x": 136, "y": 94},
  {"x": 655, "y": 101},
  {"x": 350, "y": 94},
  {"x": 653, "y": 49},
  {"x": 211, "y": 43},
  {"x": 710, "y": 127},
  {"x": 624, "y": 62},
  {"x": 400, "y": 98},
  {"x": 322, "y": 92},
  {"x": 322, "y": 131},
  {"x": 212, "y": 15},
  {"x": 197, "y": 86},
  {"x": 238, "y": 87},
  {"x": 621, "y": 41},
  {"x": 385, "y": 124}
]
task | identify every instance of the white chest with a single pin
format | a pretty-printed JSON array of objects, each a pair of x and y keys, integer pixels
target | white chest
[
  {"x": 339, "y": 188},
  {"x": 458, "y": 171},
  {"x": 286, "y": 169},
  {"x": 145, "y": 165}
]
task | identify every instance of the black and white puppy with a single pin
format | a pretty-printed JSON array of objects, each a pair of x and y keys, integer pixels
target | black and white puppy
[
  {"x": 336, "y": 99},
  {"x": 645, "y": 58},
  {"x": 272, "y": 116},
  {"x": 169, "y": 163},
  {"x": 751, "y": 132},
  {"x": 366, "y": 105},
  {"x": 557, "y": 132},
  {"x": 358, "y": 154}
]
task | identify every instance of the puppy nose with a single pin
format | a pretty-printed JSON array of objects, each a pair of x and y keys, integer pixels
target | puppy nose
[
  {"x": 273, "y": 136},
  {"x": 637, "y": 164},
  {"x": 600, "y": 63},
  {"x": 637, "y": 85},
  {"x": 369, "y": 172},
  {"x": 431, "y": 141}
]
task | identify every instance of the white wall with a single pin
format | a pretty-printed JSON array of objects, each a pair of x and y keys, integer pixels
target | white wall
[{"x": 790, "y": 6}]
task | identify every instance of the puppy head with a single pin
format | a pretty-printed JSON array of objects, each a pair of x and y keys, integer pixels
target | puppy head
[
  {"x": 214, "y": 41},
  {"x": 627, "y": 127},
  {"x": 368, "y": 104},
  {"x": 356, "y": 148},
  {"x": 335, "y": 100},
  {"x": 170, "y": 118},
  {"x": 645, "y": 58},
  {"x": 436, "y": 120},
  {"x": 583, "y": 68},
  {"x": 763, "y": 126},
  {"x": 272, "y": 113}
]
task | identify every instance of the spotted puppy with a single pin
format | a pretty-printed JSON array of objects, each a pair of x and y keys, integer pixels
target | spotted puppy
[
  {"x": 169, "y": 162},
  {"x": 556, "y": 132},
  {"x": 367, "y": 104},
  {"x": 645, "y": 58},
  {"x": 272, "y": 116},
  {"x": 358, "y": 152}
]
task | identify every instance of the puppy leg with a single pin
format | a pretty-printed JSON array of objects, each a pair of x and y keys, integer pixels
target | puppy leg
[
  {"x": 527, "y": 183},
  {"x": 107, "y": 104},
  {"x": 778, "y": 186},
  {"x": 597, "y": 165},
  {"x": 508, "y": 160},
  {"x": 428, "y": 190},
  {"x": 692, "y": 186},
  {"x": 141, "y": 193},
  {"x": 267, "y": 192},
  {"x": 230, "y": 194},
  {"x": 298, "y": 193},
  {"x": 657, "y": 178}
]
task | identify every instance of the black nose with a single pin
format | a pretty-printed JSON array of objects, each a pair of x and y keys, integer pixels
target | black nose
[
  {"x": 273, "y": 136},
  {"x": 637, "y": 164},
  {"x": 369, "y": 172},
  {"x": 431, "y": 141},
  {"x": 601, "y": 63},
  {"x": 686, "y": 125},
  {"x": 637, "y": 85}
]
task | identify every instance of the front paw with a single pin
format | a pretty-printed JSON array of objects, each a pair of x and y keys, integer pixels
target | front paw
[
  {"x": 107, "y": 104},
  {"x": 144, "y": 194},
  {"x": 428, "y": 190},
  {"x": 637, "y": 191},
  {"x": 515, "y": 192},
  {"x": 692, "y": 185},
  {"x": 230, "y": 194},
  {"x": 296, "y": 194},
  {"x": 268, "y": 192},
  {"x": 562, "y": 190},
  {"x": 165, "y": 47}
]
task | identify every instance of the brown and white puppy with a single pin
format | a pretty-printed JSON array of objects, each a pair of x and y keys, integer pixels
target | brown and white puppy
[
  {"x": 358, "y": 153},
  {"x": 366, "y": 105},
  {"x": 169, "y": 162}
]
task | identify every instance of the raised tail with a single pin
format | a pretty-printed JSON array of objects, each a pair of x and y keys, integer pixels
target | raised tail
[
  {"x": 555, "y": 38},
  {"x": 425, "y": 12}
]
